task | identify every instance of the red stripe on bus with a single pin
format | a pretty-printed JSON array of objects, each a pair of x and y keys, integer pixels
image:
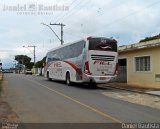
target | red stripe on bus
[
  {"x": 71, "y": 64},
  {"x": 75, "y": 68}
]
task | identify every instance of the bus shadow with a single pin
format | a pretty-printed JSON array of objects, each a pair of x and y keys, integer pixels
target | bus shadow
[
  {"x": 89, "y": 87},
  {"x": 81, "y": 86}
]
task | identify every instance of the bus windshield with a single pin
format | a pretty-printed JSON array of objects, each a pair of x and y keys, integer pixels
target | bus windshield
[{"x": 103, "y": 44}]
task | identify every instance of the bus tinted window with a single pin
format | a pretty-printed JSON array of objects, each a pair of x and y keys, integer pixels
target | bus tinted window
[
  {"x": 102, "y": 44},
  {"x": 52, "y": 56},
  {"x": 71, "y": 51},
  {"x": 76, "y": 49}
]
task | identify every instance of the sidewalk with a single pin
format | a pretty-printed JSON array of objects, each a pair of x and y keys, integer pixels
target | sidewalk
[{"x": 124, "y": 86}]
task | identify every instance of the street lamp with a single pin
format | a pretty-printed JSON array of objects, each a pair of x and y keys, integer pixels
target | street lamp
[
  {"x": 53, "y": 32},
  {"x": 34, "y": 52}
]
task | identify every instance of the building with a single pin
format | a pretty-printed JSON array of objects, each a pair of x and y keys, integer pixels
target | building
[{"x": 139, "y": 64}]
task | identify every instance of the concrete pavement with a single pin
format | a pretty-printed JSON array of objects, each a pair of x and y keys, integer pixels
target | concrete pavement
[
  {"x": 35, "y": 99},
  {"x": 124, "y": 86},
  {"x": 153, "y": 92}
]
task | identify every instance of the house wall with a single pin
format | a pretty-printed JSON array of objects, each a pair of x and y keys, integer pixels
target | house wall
[{"x": 147, "y": 78}]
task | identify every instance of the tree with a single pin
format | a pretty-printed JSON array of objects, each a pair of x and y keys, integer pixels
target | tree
[
  {"x": 22, "y": 59},
  {"x": 29, "y": 65},
  {"x": 150, "y": 38},
  {"x": 40, "y": 64}
]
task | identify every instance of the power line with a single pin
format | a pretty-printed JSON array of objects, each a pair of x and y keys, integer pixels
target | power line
[
  {"x": 71, "y": 13},
  {"x": 89, "y": 14},
  {"x": 75, "y": 12},
  {"x": 73, "y": 34},
  {"x": 67, "y": 15},
  {"x": 62, "y": 25},
  {"x": 131, "y": 14},
  {"x": 60, "y": 15},
  {"x": 51, "y": 30},
  {"x": 119, "y": 19},
  {"x": 123, "y": 18}
]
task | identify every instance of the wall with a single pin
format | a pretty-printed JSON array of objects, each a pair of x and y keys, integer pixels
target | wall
[
  {"x": 38, "y": 71},
  {"x": 143, "y": 79}
]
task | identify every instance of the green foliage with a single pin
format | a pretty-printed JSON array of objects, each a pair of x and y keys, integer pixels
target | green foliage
[
  {"x": 150, "y": 38},
  {"x": 22, "y": 59},
  {"x": 40, "y": 64},
  {"x": 29, "y": 65},
  {"x": 25, "y": 60}
]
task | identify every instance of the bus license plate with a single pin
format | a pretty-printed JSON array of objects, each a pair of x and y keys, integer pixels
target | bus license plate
[{"x": 102, "y": 78}]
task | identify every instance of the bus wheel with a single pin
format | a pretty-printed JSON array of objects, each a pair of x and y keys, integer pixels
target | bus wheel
[
  {"x": 49, "y": 79},
  {"x": 68, "y": 81}
]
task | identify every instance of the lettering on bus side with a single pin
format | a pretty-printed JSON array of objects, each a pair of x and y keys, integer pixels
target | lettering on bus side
[
  {"x": 101, "y": 62},
  {"x": 57, "y": 64}
]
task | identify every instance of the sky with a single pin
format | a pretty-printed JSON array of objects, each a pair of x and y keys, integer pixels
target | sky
[{"x": 21, "y": 23}]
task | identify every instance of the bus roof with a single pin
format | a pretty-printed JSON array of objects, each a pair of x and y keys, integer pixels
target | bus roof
[{"x": 67, "y": 44}]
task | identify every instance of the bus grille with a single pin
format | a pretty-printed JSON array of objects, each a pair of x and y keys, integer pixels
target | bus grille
[{"x": 103, "y": 57}]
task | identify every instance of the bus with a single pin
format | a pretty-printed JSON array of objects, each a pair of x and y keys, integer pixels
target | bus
[{"x": 93, "y": 60}]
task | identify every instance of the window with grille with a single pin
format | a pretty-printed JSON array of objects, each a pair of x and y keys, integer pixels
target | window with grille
[{"x": 142, "y": 63}]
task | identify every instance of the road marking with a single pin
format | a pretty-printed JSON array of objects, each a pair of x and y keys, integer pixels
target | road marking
[{"x": 76, "y": 101}]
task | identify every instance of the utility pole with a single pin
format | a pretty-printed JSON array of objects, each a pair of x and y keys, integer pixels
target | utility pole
[
  {"x": 62, "y": 25},
  {"x": 34, "y": 52}
]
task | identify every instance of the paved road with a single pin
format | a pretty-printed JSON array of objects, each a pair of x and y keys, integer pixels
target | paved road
[{"x": 35, "y": 99}]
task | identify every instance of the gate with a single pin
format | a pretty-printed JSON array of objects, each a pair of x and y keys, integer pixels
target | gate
[{"x": 122, "y": 74}]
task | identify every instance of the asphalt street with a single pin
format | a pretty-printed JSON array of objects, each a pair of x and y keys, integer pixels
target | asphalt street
[{"x": 36, "y": 100}]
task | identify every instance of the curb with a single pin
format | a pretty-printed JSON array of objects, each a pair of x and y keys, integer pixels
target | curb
[{"x": 141, "y": 92}]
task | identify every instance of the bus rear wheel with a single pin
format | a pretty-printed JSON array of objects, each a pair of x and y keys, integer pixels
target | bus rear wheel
[{"x": 68, "y": 81}]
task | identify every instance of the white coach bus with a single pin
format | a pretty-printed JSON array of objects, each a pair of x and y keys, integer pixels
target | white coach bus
[{"x": 92, "y": 60}]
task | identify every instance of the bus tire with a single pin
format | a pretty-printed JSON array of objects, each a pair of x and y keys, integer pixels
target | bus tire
[
  {"x": 68, "y": 80},
  {"x": 49, "y": 79}
]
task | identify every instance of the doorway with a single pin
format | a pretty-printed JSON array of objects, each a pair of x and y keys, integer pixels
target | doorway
[{"x": 122, "y": 70}]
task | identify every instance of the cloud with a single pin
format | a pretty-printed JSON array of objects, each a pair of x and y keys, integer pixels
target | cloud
[
  {"x": 128, "y": 20},
  {"x": 4, "y": 55}
]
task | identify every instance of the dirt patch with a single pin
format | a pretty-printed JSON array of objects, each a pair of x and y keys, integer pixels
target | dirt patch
[
  {"x": 0, "y": 83},
  {"x": 6, "y": 112},
  {"x": 142, "y": 99}
]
